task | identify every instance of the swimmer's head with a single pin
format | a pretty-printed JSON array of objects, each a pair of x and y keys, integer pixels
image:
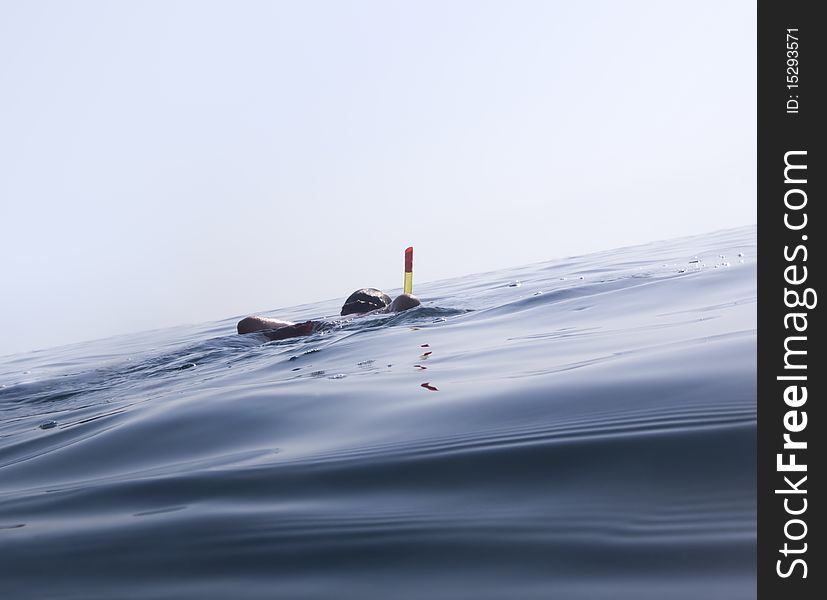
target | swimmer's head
[{"x": 365, "y": 300}]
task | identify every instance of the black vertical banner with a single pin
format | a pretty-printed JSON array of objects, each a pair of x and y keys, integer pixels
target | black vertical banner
[{"x": 792, "y": 438}]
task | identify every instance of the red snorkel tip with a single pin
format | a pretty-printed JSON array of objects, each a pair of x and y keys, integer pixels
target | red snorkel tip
[{"x": 409, "y": 259}]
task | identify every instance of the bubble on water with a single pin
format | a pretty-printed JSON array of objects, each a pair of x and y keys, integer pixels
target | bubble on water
[
  {"x": 337, "y": 376},
  {"x": 516, "y": 283}
]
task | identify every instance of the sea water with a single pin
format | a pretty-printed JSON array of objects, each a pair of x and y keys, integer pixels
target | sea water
[{"x": 579, "y": 428}]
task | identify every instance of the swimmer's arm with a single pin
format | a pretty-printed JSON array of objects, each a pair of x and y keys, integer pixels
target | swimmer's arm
[
  {"x": 274, "y": 329},
  {"x": 253, "y": 324},
  {"x": 404, "y": 302}
]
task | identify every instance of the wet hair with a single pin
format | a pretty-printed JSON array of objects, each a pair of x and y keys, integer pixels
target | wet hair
[{"x": 365, "y": 300}]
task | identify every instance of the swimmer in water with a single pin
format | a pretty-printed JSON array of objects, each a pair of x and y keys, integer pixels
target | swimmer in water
[{"x": 361, "y": 302}]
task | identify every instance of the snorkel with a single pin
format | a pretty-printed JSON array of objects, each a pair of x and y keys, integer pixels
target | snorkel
[{"x": 408, "y": 286}]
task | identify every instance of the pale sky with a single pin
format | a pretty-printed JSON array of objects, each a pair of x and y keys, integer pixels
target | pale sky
[{"x": 169, "y": 162}]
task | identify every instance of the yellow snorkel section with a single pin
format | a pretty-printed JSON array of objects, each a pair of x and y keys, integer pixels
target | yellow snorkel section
[{"x": 408, "y": 287}]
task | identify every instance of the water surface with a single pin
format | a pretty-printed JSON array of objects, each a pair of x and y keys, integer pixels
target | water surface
[{"x": 581, "y": 428}]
